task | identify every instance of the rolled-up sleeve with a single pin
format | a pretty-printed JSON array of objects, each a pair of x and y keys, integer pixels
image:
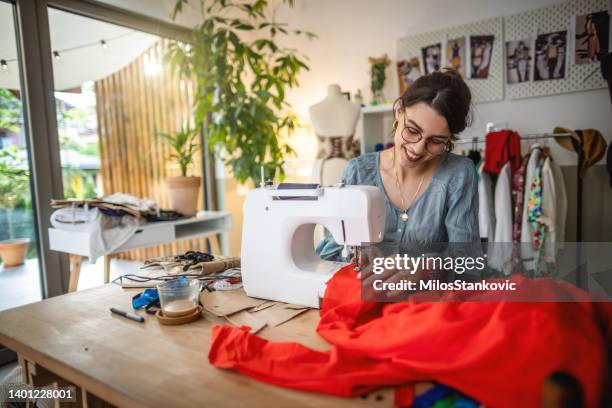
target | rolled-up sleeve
[
  {"x": 462, "y": 212},
  {"x": 327, "y": 248}
]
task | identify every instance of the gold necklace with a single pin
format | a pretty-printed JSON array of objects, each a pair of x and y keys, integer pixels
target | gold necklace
[{"x": 404, "y": 216}]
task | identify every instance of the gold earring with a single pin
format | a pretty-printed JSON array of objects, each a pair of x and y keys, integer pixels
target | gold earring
[{"x": 395, "y": 123}]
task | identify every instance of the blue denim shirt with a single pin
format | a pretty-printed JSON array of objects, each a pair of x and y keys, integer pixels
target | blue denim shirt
[{"x": 446, "y": 212}]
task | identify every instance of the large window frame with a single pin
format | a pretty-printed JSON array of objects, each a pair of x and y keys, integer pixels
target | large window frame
[{"x": 36, "y": 65}]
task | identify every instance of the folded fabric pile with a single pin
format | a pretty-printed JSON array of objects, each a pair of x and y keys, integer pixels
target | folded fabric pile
[
  {"x": 118, "y": 204},
  {"x": 110, "y": 221},
  {"x": 106, "y": 233},
  {"x": 499, "y": 353}
]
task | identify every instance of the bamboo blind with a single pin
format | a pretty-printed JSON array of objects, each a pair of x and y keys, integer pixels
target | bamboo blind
[{"x": 132, "y": 105}]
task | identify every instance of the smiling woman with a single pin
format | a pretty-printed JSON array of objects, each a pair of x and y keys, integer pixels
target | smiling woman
[{"x": 431, "y": 194}]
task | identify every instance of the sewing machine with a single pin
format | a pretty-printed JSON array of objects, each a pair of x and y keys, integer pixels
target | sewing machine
[{"x": 278, "y": 259}]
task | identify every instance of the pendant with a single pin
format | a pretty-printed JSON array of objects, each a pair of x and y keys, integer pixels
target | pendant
[{"x": 404, "y": 217}]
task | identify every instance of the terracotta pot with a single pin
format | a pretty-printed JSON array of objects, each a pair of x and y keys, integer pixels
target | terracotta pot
[
  {"x": 184, "y": 194},
  {"x": 13, "y": 251}
]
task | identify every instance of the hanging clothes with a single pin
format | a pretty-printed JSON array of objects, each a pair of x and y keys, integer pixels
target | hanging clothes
[
  {"x": 501, "y": 147},
  {"x": 554, "y": 207},
  {"x": 518, "y": 191},
  {"x": 503, "y": 206},
  {"x": 483, "y": 349},
  {"x": 475, "y": 156},
  {"x": 527, "y": 253},
  {"x": 500, "y": 254},
  {"x": 486, "y": 214}
]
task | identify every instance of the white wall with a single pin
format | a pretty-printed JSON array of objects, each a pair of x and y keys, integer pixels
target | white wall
[{"x": 352, "y": 30}]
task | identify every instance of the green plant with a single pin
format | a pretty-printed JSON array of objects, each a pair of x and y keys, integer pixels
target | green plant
[
  {"x": 183, "y": 144},
  {"x": 14, "y": 179},
  {"x": 240, "y": 97},
  {"x": 10, "y": 111},
  {"x": 378, "y": 77},
  {"x": 14, "y": 183}
]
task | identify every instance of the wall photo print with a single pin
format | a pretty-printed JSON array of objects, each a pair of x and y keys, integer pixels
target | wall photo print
[
  {"x": 408, "y": 70},
  {"x": 432, "y": 58},
  {"x": 481, "y": 50},
  {"x": 592, "y": 32},
  {"x": 550, "y": 54},
  {"x": 455, "y": 54},
  {"x": 519, "y": 60}
]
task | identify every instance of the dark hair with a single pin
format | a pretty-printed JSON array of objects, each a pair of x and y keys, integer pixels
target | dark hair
[{"x": 444, "y": 91}]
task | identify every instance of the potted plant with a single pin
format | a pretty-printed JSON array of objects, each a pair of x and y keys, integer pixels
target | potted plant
[
  {"x": 14, "y": 193},
  {"x": 183, "y": 189},
  {"x": 242, "y": 73}
]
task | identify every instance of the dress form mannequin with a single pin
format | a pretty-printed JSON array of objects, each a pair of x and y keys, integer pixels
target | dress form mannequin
[
  {"x": 334, "y": 120},
  {"x": 334, "y": 116}
]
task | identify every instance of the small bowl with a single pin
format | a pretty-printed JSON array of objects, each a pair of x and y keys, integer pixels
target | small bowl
[{"x": 179, "y": 297}]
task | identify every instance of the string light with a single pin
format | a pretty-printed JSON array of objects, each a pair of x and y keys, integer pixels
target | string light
[{"x": 56, "y": 54}]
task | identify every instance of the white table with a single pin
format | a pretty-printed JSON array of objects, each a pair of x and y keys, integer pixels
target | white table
[{"x": 207, "y": 223}]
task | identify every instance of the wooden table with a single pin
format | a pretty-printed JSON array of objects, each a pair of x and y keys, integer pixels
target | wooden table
[
  {"x": 112, "y": 360},
  {"x": 76, "y": 243}
]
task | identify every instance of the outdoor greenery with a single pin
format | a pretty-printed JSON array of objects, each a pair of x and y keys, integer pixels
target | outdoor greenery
[
  {"x": 14, "y": 186},
  {"x": 10, "y": 111},
  {"x": 183, "y": 144},
  {"x": 242, "y": 75},
  {"x": 14, "y": 179}
]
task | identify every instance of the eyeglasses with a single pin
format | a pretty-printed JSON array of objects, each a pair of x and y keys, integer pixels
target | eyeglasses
[{"x": 434, "y": 145}]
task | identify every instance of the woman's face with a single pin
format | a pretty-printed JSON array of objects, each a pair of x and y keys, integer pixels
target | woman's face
[{"x": 419, "y": 122}]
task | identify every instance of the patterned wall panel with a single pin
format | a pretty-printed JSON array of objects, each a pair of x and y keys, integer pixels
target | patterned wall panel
[
  {"x": 549, "y": 19},
  {"x": 483, "y": 90}
]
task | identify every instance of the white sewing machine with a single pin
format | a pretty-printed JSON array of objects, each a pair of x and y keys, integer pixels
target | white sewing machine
[{"x": 278, "y": 259}]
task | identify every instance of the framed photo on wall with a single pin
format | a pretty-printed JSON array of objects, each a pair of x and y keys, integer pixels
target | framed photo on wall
[
  {"x": 550, "y": 55},
  {"x": 455, "y": 54},
  {"x": 519, "y": 60},
  {"x": 408, "y": 70},
  {"x": 592, "y": 37},
  {"x": 432, "y": 55},
  {"x": 481, "y": 50}
]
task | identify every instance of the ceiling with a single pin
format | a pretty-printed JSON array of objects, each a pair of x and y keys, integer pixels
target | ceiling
[{"x": 77, "y": 39}]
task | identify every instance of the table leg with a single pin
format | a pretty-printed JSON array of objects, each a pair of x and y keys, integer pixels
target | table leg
[
  {"x": 75, "y": 271},
  {"x": 213, "y": 242},
  {"x": 107, "y": 262}
]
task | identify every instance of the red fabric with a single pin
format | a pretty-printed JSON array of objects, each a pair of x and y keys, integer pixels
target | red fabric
[
  {"x": 502, "y": 147},
  {"x": 496, "y": 352}
]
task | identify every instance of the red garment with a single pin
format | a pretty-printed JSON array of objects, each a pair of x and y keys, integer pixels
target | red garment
[
  {"x": 502, "y": 147},
  {"x": 496, "y": 352}
]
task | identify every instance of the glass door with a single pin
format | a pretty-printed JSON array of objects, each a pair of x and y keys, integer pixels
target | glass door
[{"x": 20, "y": 277}]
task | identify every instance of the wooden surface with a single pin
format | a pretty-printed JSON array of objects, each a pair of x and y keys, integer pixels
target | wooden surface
[
  {"x": 132, "y": 364},
  {"x": 131, "y": 108}
]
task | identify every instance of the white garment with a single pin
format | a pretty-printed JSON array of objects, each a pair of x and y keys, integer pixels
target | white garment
[
  {"x": 503, "y": 205},
  {"x": 106, "y": 233},
  {"x": 527, "y": 253},
  {"x": 554, "y": 207},
  {"x": 486, "y": 215},
  {"x": 501, "y": 256}
]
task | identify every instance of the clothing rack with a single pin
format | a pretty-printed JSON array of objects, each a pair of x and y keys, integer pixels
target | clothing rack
[
  {"x": 531, "y": 136},
  {"x": 580, "y": 273}
]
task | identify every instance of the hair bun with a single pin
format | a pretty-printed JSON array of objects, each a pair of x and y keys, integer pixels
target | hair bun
[{"x": 452, "y": 72}]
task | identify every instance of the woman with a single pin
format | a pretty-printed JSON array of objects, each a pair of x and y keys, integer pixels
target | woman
[{"x": 430, "y": 194}]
